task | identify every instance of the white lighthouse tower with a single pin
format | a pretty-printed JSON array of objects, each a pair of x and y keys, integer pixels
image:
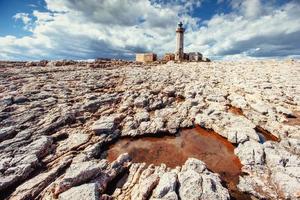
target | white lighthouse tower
[{"x": 179, "y": 54}]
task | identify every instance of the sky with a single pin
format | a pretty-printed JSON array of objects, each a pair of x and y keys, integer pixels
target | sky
[{"x": 88, "y": 29}]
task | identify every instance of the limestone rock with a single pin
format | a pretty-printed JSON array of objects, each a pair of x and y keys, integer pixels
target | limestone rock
[
  {"x": 24, "y": 165},
  {"x": 260, "y": 107},
  {"x": 41, "y": 146},
  {"x": 212, "y": 188},
  {"x": 283, "y": 110},
  {"x": 190, "y": 185},
  {"x": 237, "y": 129},
  {"x": 237, "y": 101},
  {"x": 194, "y": 165},
  {"x": 20, "y": 166},
  {"x": 20, "y": 99},
  {"x": 86, "y": 191},
  {"x": 166, "y": 188},
  {"x": 142, "y": 116},
  {"x": 289, "y": 185},
  {"x": 292, "y": 144},
  {"x": 143, "y": 190},
  {"x": 7, "y": 132},
  {"x": 141, "y": 102},
  {"x": 106, "y": 124},
  {"x": 73, "y": 141},
  {"x": 47, "y": 112},
  {"x": 196, "y": 182},
  {"x": 170, "y": 90},
  {"x": 79, "y": 173},
  {"x": 250, "y": 153},
  {"x": 34, "y": 186}
]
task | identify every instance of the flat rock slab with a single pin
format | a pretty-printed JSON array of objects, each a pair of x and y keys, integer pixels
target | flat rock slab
[
  {"x": 85, "y": 191},
  {"x": 106, "y": 124},
  {"x": 73, "y": 141}
]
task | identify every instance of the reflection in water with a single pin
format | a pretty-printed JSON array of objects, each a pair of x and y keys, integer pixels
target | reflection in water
[
  {"x": 265, "y": 135},
  {"x": 199, "y": 143}
]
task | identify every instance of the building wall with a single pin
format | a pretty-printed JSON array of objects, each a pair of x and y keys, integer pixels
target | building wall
[
  {"x": 194, "y": 56},
  {"x": 146, "y": 57},
  {"x": 169, "y": 56}
]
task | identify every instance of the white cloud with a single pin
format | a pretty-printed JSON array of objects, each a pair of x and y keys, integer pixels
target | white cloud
[
  {"x": 32, "y": 5},
  {"x": 24, "y": 17},
  {"x": 92, "y": 28},
  {"x": 252, "y": 8},
  {"x": 109, "y": 28},
  {"x": 274, "y": 33}
]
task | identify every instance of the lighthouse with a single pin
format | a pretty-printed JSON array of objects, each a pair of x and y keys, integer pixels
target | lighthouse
[{"x": 179, "y": 54}]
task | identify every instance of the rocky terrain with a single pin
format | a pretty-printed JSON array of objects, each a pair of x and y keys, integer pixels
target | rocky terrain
[{"x": 58, "y": 118}]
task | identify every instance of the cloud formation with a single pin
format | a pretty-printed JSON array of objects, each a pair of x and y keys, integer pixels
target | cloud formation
[
  {"x": 113, "y": 28},
  {"x": 252, "y": 29},
  {"x": 25, "y": 19}
]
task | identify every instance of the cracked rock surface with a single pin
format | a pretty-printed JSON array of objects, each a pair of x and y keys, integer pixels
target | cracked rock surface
[{"x": 58, "y": 118}]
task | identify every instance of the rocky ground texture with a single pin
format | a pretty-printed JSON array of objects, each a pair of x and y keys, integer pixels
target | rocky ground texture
[{"x": 57, "y": 119}]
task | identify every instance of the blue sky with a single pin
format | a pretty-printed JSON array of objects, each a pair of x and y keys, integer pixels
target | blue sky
[
  {"x": 221, "y": 29},
  {"x": 9, "y": 8}
]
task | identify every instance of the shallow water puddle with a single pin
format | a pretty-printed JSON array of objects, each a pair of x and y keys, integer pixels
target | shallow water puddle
[
  {"x": 265, "y": 135},
  {"x": 197, "y": 142}
]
